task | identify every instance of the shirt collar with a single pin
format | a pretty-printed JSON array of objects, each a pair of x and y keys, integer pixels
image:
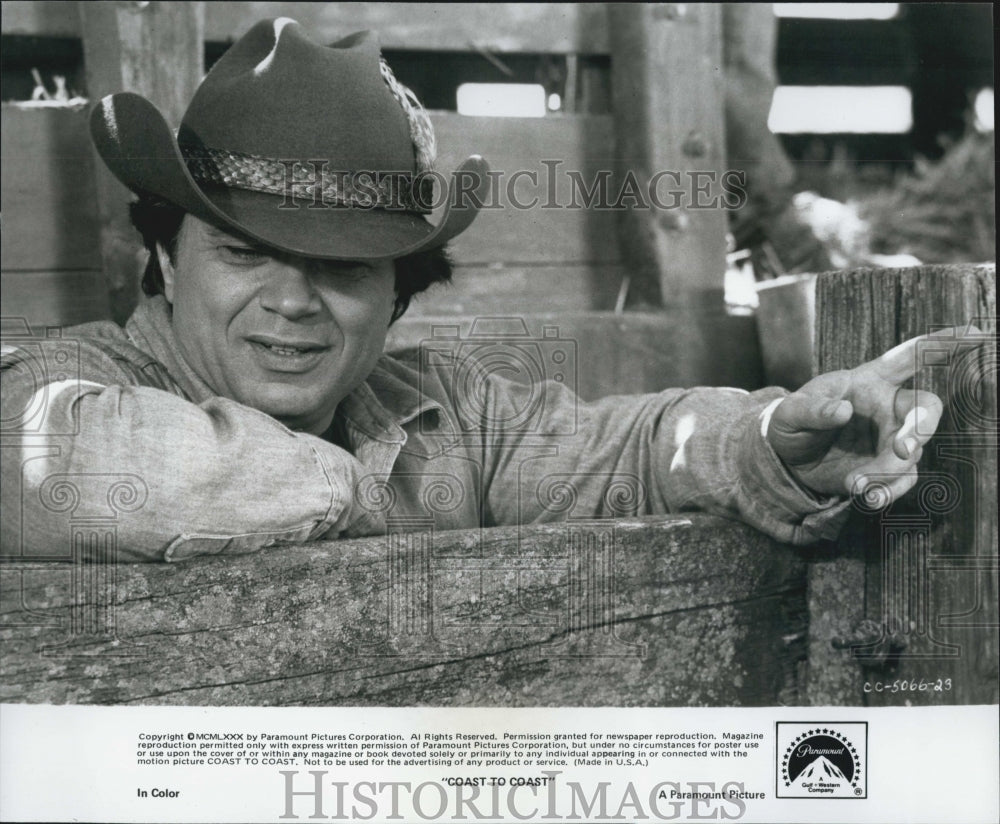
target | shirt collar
[
  {"x": 150, "y": 329},
  {"x": 380, "y": 407},
  {"x": 386, "y": 390}
]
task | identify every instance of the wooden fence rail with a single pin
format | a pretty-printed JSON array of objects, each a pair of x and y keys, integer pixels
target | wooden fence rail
[{"x": 668, "y": 611}]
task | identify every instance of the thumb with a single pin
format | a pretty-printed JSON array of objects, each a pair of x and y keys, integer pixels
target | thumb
[
  {"x": 799, "y": 412},
  {"x": 802, "y": 427}
]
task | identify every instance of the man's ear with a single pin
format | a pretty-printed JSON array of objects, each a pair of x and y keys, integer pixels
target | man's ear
[{"x": 167, "y": 269}]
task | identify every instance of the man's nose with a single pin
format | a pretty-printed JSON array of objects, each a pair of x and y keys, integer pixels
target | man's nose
[{"x": 289, "y": 291}]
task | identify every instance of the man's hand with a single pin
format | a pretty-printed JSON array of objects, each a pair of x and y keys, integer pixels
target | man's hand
[{"x": 845, "y": 427}]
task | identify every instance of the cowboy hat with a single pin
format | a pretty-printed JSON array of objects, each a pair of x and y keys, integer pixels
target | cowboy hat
[{"x": 314, "y": 150}]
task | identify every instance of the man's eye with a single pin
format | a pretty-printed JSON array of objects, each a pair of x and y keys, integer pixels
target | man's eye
[
  {"x": 242, "y": 254},
  {"x": 356, "y": 272}
]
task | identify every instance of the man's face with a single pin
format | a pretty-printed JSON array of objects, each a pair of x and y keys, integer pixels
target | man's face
[{"x": 287, "y": 335}]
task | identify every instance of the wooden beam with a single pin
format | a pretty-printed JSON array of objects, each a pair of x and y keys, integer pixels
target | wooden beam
[
  {"x": 615, "y": 354},
  {"x": 47, "y": 191},
  {"x": 499, "y": 27},
  {"x": 534, "y": 214},
  {"x": 662, "y": 611},
  {"x": 58, "y": 18},
  {"x": 63, "y": 297},
  {"x": 910, "y": 594},
  {"x": 517, "y": 289},
  {"x": 155, "y": 49},
  {"x": 563, "y": 257},
  {"x": 666, "y": 72}
]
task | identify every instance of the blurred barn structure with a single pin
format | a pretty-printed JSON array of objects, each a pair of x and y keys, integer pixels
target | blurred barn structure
[
  {"x": 628, "y": 88},
  {"x": 639, "y": 88}
]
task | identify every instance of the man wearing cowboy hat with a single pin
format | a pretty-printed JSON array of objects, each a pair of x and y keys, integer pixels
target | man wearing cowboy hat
[{"x": 248, "y": 399}]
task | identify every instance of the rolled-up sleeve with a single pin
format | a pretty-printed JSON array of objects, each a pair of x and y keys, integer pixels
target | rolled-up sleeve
[
  {"x": 678, "y": 450},
  {"x": 174, "y": 478}
]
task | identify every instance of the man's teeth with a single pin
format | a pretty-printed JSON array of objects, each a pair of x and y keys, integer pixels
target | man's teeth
[{"x": 284, "y": 350}]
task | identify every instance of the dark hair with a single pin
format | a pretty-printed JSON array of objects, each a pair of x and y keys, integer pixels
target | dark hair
[{"x": 159, "y": 221}]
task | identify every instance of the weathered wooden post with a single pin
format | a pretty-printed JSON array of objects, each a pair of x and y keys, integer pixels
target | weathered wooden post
[
  {"x": 905, "y": 609},
  {"x": 157, "y": 50}
]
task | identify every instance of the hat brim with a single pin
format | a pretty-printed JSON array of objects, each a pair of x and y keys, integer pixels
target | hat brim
[{"x": 138, "y": 146}]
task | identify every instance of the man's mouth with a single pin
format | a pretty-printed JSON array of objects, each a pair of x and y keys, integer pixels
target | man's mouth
[
  {"x": 295, "y": 352},
  {"x": 281, "y": 349}
]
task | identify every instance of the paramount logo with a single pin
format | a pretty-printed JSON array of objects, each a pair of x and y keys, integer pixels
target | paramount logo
[{"x": 822, "y": 760}]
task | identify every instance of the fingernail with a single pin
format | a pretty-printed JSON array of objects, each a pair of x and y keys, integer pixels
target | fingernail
[
  {"x": 916, "y": 417},
  {"x": 860, "y": 484},
  {"x": 832, "y": 408},
  {"x": 910, "y": 445}
]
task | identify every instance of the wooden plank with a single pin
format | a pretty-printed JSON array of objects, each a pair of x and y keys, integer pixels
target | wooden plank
[
  {"x": 47, "y": 190},
  {"x": 55, "y": 298},
  {"x": 157, "y": 50},
  {"x": 911, "y": 591},
  {"x": 504, "y": 289},
  {"x": 57, "y": 18},
  {"x": 617, "y": 354},
  {"x": 653, "y": 612},
  {"x": 536, "y": 215},
  {"x": 499, "y": 27}
]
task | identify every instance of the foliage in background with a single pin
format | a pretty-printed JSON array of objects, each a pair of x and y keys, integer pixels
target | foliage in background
[{"x": 942, "y": 211}]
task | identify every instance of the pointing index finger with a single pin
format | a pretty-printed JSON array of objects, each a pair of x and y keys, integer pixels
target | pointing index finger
[{"x": 900, "y": 364}]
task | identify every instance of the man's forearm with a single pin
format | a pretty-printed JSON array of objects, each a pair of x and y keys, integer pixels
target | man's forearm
[
  {"x": 215, "y": 477},
  {"x": 714, "y": 457}
]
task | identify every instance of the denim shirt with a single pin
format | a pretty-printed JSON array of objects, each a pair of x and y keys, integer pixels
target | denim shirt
[{"x": 110, "y": 423}]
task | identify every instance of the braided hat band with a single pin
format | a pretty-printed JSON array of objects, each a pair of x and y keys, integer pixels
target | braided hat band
[{"x": 310, "y": 183}]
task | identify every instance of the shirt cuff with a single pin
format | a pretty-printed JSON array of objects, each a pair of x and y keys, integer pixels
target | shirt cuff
[{"x": 772, "y": 497}]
